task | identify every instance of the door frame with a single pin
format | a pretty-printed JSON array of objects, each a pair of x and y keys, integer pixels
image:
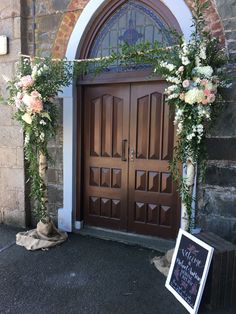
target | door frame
[{"x": 106, "y": 80}]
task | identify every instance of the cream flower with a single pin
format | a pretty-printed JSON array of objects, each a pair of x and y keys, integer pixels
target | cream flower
[
  {"x": 194, "y": 95},
  {"x": 27, "y": 118}
]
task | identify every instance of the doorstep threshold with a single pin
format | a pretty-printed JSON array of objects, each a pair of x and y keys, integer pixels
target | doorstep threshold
[{"x": 150, "y": 242}]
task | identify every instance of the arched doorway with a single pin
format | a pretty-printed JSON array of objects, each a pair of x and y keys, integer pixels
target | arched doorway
[{"x": 125, "y": 133}]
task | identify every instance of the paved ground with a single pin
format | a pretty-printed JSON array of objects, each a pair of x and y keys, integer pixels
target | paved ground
[{"x": 84, "y": 276}]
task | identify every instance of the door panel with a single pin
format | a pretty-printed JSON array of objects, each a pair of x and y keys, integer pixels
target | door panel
[
  {"x": 153, "y": 201},
  {"x": 133, "y": 193},
  {"x": 106, "y": 113}
]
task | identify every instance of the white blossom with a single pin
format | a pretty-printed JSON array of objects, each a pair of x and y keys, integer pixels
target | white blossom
[
  {"x": 202, "y": 53},
  {"x": 167, "y": 65},
  {"x": 172, "y": 96},
  {"x": 173, "y": 79},
  {"x": 185, "y": 60},
  {"x": 42, "y": 122},
  {"x": 207, "y": 71}
]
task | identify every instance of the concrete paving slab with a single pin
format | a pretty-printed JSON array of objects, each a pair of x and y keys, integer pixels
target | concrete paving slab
[{"x": 84, "y": 276}]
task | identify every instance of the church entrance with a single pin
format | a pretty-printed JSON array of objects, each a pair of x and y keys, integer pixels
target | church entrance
[{"x": 126, "y": 136}]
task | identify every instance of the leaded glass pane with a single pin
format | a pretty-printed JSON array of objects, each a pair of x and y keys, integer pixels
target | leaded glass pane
[{"x": 132, "y": 23}]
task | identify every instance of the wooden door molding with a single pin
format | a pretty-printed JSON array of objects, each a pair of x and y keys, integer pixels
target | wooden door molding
[
  {"x": 154, "y": 205},
  {"x": 106, "y": 132}
]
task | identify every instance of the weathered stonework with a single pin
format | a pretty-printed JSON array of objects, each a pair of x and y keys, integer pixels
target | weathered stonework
[{"x": 12, "y": 180}]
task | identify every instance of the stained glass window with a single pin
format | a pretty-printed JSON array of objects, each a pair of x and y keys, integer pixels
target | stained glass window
[{"x": 132, "y": 23}]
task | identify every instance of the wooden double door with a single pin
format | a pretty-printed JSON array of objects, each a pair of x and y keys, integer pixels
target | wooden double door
[{"x": 128, "y": 141}]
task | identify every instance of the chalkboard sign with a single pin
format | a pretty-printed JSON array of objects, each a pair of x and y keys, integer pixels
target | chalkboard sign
[{"x": 188, "y": 271}]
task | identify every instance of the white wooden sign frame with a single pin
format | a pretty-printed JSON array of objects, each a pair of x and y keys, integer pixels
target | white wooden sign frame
[{"x": 204, "y": 275}]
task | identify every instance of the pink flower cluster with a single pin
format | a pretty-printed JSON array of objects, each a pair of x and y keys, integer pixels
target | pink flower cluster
[
  {"x": 26, "y": 81},
  {"x": 206, "y": 90},
  {"x": 33, "y": 102}
]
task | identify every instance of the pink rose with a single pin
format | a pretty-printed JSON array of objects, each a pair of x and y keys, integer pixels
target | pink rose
[
  {"x": 33, "y": 102},
  {"x": 204, "y": 82},
  {"x": 181, "y": 69},
  {"x": 186, "y": 83},
  {"x": 27, "y": 81},
  {"x": 211, "y": 98},
  {"x": 205, "y": 101},
  {"x": 207, "y": 92}
]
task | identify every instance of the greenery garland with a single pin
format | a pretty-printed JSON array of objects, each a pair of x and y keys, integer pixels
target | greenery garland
[{"x": 193, "y": 70}]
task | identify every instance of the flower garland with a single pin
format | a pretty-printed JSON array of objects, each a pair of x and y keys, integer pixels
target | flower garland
[
  {"x": 195, "y": 75},
  {"x": 31, "y": 94}
]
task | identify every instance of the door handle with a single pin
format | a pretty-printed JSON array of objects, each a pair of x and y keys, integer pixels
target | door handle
[
  {"x": 131, "y": 154},
  {"x": 123, "y": 158}
]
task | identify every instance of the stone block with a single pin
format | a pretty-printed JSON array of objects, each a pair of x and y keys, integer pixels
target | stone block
[
  {"x": 231, "y": 45},
  {"x": 10, "y": 9},
  {"x": 5, "y": 115},
  {"x": 223, "y": 227},
  {"x": 10, "y": 198},
  {"x": 47, "y": 23},
  {"x": 20, "y": 157},
  {"x": 7, "y": 72},
  {"x": 229, "y": 24},
  {"x": 11, "y": 136},
  {"x": 52, "y": 176},
  {"x": 219, "y": 201},
  {"x": 17, "y": 27},
  {"x": 14, "y": 217},
  {"x": 221, "y": 176},
  {"x": 6, "y": 27},
  {"x": 221, "y": 148},
  {"x": 14, "y": 50},
  {"x": 55, "y": 194},
  {"x": 226, "y": 9},
  {"x": 12, "y": 178},
  {"x": 8, "y": 157},
  {"x": 60, "y": 5}
]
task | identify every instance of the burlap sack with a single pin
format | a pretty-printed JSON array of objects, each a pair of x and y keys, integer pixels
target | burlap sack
[
  {"x": 162, "y": 263},
  {"x": 46, "y": 235}
]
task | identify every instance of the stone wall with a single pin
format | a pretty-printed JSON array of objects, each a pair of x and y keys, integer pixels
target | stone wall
[
  {"x": 218, "y": 197},
  {"x": 12, "y": 179}
]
